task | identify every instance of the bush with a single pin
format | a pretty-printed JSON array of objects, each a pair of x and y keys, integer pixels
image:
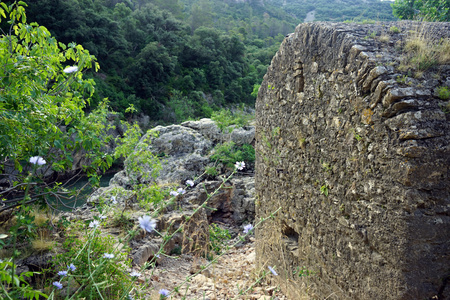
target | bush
[
  {"x": 96, "y": 277},
  {"x": 443, "y": 93},
  {"x": 229, "y": 153},
  {"x": 224, "y": 118},
  {"x": 218, "y": 238}
]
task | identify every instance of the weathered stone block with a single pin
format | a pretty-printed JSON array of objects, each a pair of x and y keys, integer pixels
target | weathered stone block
[{"x": 359, "y": 162}]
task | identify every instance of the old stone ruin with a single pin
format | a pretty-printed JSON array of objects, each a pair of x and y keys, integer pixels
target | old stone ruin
[{"x": 352, "y": 130}]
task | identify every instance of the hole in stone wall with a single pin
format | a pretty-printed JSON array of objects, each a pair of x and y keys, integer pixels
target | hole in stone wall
[
  {"x": 299, "y": 78},
  {"x": 290, "y": 237}
]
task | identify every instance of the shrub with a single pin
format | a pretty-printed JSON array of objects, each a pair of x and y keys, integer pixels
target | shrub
[
  {"x": 394, "y": 29},
  {"x": 229, "y": 153},
  {"x": 443, "y": 93},
  {"x": 95, "y": 274},
  {"x": 218, "y": 238},
  {"x": 224, "y": 118}
]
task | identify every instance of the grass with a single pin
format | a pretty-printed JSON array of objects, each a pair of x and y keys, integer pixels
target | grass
[
  {"x": 422, "y": 52},
  {"x": 384, "y": 38}
]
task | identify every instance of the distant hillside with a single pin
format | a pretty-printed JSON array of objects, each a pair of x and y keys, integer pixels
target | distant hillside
[
  {"x": 337, "y": 10},
  {"x": 179, "y": 59}
]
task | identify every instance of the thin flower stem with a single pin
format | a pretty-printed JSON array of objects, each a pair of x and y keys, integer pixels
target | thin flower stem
[
  {"x": 90, "y": 271},
  {"x": 6, "y": 292},
  {"x": 255, "y": 283}
]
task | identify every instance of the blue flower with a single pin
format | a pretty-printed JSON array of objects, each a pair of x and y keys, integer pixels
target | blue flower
[
  {"x": 113, "y": 200},
  {"x": 248, "y": 228},
  {"x": 94, "y": 224},
  {"x": 190, "y": 182},
  {"x": 108, "y": 255},
  {"x": 173, "y": 193},
  {"x": 240, "y": 165},
  {"x": 69, "y": 70},
  {"x": 62, "y": 273},
  {"x": 273, "y": 271},
  {"x": 181, "y": 191},
  {"x": 147, "y": 223},
  {"x": 72, "y": 267},
  {"x": 164, "y": 292},
  {"x": 58, "y": 285},
  {"x": 135, "y": 274},
  {"x": 37, "y": 160}
]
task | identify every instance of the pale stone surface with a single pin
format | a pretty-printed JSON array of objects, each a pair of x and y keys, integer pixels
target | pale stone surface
[
  {"x": 358, "y": 161},
  {"x": 184, "y": 151}
]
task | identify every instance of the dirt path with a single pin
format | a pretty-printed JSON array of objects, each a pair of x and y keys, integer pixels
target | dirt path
[
  {"x": 310, "y": 16},
  {"x": 233, "y": 273}
]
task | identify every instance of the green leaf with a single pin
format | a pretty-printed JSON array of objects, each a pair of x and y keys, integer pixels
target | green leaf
[{"x": 16, "y": 280}]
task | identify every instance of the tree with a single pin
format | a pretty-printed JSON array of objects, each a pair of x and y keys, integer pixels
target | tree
[
  {"x": 43, "y": 98},
  {"x": 427, "y": 10}
]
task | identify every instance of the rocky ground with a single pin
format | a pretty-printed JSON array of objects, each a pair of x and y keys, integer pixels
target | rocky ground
[{"x": 233, "y": 273}]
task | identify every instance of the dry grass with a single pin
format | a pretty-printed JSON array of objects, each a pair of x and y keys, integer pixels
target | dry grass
[
  {"x": 42, "y": 245},
  {"x": 40, "y": 218},
  {"x": 422, "y": 51},
  {"x": 384, "y": 38}
]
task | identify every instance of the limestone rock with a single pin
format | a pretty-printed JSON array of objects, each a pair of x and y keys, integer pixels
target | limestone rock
[
  {"x": 243, "y": 199},
  {"x": 206, "y": 127},
  {"x": 243, "y": 135}
]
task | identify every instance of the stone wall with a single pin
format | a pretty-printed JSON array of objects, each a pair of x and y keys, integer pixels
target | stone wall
[{"x": 356, "y": 154}]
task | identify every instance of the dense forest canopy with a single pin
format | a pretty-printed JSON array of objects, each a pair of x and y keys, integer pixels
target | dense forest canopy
[
  {"x": 177, "y": 59},
  {"x": 337, "y": 11},
  {"x": 427, "y": 10}
]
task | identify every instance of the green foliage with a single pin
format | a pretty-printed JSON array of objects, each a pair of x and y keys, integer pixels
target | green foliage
[
  {"x": 224, "y": 118},
  {"x": 148, "y": 51},
  {"x": 42, "y": 107},
  {"x": 135, "y": 151},
  {"x": 302, "y": 272},
  {"x": 394, "y": 29},
  {"x": 17, "y": 286},
  {"x": 443, "y": 93},
  {"x": 401, "y": 79},
  {"x": 181, "y": 107},
  {"x": 149, "y": 196},
  {"x": 255, "y": 90},
  {"x": 123, "y": 221},
  {"x": 176, "y": 250},
  {"x": 218, "y": 238},
  {"x": 211, "y": 171},
  {"x": 339, "y": 10},
  {"x": 426, "y": 10},
  {"x": 229, "y": 153},
  {"x": 97, "y": 277},
  {"x": 324, "y": 190}
]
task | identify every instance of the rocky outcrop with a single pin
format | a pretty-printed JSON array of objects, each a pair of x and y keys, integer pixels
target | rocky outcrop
[
  {"x": 357, "y": 155},
  {"x": 184, "y": 151}
]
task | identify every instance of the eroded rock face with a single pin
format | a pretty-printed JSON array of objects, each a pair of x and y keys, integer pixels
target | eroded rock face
[
  {"x": 359, "y": 163},
  {"x": 184, "y": 151}
]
